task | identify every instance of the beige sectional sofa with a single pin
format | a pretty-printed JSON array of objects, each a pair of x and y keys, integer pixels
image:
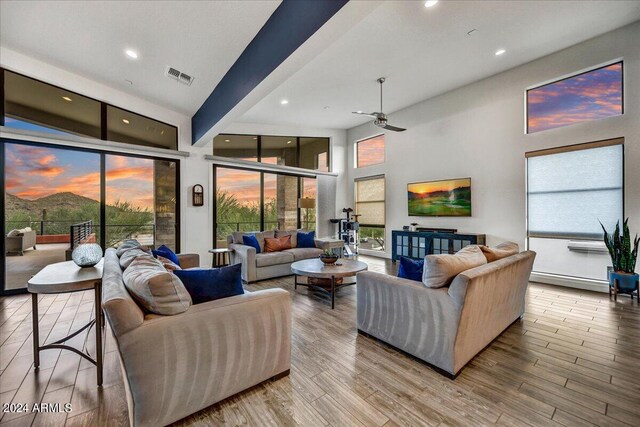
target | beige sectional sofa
[
  {"x": 176, "y": 365},
  {"x": 445, "y": 326},
  {"x": 266, "y": 265}
]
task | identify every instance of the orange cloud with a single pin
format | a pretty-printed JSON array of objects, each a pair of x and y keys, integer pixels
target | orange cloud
[
  {"x": 47, "y": 171},
  {"x": 138, "y": 173},
  {"x": 47, "y": 159}
]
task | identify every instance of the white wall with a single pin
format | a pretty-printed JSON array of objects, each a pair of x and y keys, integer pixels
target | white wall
[
  {"x": 477, "y": 131},
  {"x": 196, "y": 227}
]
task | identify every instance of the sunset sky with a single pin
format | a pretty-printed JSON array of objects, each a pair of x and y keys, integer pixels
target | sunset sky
[
  {"x": 428, "y": 187},
  {"x": 245, "y": 185},
  {"x": 33, "y": 172},
  {"x": 589, "y": 96},
  {"x": 371, "y": 151}
]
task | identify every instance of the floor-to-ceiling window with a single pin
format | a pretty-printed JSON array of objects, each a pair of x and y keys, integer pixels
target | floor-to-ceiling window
[
  {"x": 253, "y": 200},
  {"x": 571, "y": 191}
]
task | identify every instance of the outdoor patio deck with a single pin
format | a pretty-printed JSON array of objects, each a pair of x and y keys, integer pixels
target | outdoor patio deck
[{"x": 21, "y": 268}]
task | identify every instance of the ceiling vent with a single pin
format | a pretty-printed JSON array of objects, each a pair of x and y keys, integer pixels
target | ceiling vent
[{"x": 179, "y": 76}]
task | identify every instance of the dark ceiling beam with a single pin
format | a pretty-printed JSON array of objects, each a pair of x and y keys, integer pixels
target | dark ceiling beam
[{"x": 290, "y": 25}]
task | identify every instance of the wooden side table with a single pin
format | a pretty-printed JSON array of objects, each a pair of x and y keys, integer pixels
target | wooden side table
[
  {"x": 65, "y": 277},
  {"x": 221, "y": 257}
]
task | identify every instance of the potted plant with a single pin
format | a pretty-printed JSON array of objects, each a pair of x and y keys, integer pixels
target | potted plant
[
  {"x": 328, "y": 257},
  {"x": 623, "y": 258}
]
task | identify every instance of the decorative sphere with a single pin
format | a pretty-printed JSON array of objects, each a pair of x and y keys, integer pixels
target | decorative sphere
[{"x": 87, "y": 254}]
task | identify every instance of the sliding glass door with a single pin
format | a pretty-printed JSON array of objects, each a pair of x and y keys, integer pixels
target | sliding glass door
[
  {"x": 47, "y": 190},
  {"x": 251, "y": 200},
  {"x": 51, "y": 190}
]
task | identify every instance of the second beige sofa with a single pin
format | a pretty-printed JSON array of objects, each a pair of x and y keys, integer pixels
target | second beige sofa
[{"x": 446, "y": 327}]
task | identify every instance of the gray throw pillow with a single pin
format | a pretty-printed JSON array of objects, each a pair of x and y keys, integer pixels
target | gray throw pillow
[
  {"x": 440, "y": 270},
  {"x": 128, "y": 256},
  {"x": 154, "y": 288},
  {"x": 13, "y": 233},
  {"x": 126, "y": 245}
]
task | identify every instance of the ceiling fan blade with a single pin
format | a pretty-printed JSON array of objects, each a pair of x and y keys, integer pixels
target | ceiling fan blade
[
  {"x": 365, "y": 114},
  {"x": 393, "y": 128}
]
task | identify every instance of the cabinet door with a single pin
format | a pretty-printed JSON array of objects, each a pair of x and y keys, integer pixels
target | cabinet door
[
  {"x": 414, "y": 247},
  {"x": 422, "y": 247}
]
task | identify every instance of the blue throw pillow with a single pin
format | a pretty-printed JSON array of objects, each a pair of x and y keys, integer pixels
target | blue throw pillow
[
  {"x": 306, "y": 240},
  {"x": 210, "y": 284},
  {"x": 251, "y": 240},
  {"x": 167, "y": 253},
  {"x": 411, "y": 269}
]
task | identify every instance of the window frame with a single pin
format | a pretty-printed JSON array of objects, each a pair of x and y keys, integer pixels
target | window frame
[
  {"x": 297, "y": 138},
  {"x": 566, "y": 149},
  {"x": 569, "y": 76},
  {"x": 364, "y": 225},
  {"x": 262, "y": 172},
  {"x": 103, "y": 109},
  {"x": 103, "y": 223},
  {"x": 355, "y": 150}
]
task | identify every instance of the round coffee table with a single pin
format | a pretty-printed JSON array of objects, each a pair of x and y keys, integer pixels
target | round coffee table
[{"x": 315, "y": 268}]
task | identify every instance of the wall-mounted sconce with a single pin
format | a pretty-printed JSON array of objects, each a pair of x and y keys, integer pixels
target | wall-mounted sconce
[{"x": 198, "y": 195}]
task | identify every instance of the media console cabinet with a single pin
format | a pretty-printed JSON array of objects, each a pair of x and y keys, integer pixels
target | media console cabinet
[{"x": 418, "y": 244}]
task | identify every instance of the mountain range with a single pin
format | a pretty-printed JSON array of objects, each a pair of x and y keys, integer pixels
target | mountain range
[{"x": 66, "y": 200}]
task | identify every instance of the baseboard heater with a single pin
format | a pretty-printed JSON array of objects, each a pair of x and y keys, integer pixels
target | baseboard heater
[{"x": 587, "y": 246}]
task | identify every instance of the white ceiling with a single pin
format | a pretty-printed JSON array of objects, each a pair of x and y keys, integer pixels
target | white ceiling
[
  {"x": 426, "y": 52},
  {"x": 200, "y": 38},
  {"x": 423, "y": 52}
]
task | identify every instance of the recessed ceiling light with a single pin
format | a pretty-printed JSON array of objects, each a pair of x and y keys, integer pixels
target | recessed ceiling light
[
  {"x": 284, "y": 102},
  {"x": 326, "y": 107},
  {"x": 430, "y": 3},
  {"x": 66, "y": 98},
  {"x": 359, "y": 111},
  {"x": 500, "y": 52},
  {"x": 125, "y": 121},
  {"x": 131, "y": 53},
  {"x": 227, "y": 140}
]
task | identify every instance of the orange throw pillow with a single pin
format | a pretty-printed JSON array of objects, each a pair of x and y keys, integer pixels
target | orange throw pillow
[{"x": 277, "y": 244}]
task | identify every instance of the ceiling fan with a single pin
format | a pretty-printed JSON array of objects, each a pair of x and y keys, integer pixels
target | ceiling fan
[{"x": 380, "y": 118}]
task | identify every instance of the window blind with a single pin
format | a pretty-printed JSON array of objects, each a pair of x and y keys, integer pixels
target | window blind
[
  {"x": 569, "y": 192},
  {"x": 370, "y": 198}
]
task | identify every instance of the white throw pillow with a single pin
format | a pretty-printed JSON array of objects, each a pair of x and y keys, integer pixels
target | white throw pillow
[
  {"x": 154, "y": 288},
  {"x": 440, "y": 270}
]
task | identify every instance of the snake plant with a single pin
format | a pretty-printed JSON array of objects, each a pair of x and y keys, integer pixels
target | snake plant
[{"x": 619, "y": 246}]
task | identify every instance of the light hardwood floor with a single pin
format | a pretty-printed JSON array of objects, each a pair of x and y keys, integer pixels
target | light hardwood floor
[{"x": 574, "y": 360}]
